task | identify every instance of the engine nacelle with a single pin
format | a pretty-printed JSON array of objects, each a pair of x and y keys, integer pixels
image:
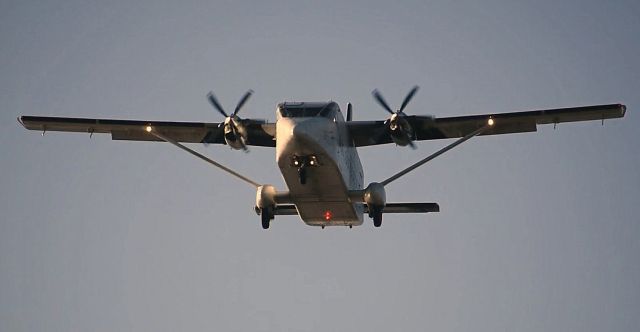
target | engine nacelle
[
  {"x": 376, "y": 199},
  {"x": 235, "y": 134},
  {"x": 375, "y": 195},
  {"x": 400, "y": 130},
  {"x": 265, "y": 197}
]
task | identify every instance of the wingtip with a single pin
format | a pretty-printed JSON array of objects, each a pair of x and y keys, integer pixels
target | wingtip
[{"x": 20, "y": 121}]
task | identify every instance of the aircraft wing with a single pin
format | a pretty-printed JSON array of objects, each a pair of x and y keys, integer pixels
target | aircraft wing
[
  {"x": 259, "y": 132},
  {"x": 366, "y": 133}
]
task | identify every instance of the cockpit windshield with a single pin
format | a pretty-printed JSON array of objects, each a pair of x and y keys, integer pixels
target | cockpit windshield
[{"x": 299, "y": 110}]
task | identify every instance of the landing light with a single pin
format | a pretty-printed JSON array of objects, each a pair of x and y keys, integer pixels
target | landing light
[
  {"x": 148, "y": 129},
  {"x": 313, "y": 160},
  {"x": 327, "y": 215},
  {"x": 490, "y": 122}
]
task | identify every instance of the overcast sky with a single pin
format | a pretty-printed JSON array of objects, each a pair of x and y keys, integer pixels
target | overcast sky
[{"x": 538, "y": 231}]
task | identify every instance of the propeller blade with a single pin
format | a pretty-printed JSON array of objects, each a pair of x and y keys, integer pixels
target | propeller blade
[
  {"x": 378, "y": 96},
  {"x": 408, "y": 98},
  {"x": 214, "y": 103},
  {"x": 242, "y": 101}
]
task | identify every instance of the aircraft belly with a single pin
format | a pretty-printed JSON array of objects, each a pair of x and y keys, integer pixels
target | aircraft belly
[{"x": 325, "y": 192}]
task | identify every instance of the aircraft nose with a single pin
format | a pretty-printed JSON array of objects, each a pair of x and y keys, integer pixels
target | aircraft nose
[
  {"x": 298, "y": 129},
  {"x": 303, "y": 136},
  {"x": 308, "y": 129},
  {"x": 302, "y": 130}
]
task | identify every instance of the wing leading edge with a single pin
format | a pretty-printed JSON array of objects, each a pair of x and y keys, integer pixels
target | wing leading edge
[
  {"x": 260, "y": 133},
  {"x": 366, "y": 133}
]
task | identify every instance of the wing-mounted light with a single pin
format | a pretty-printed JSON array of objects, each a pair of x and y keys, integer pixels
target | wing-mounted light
[
  {"x": 235, "y": 133},
  {"x": 397, "y": 125}
]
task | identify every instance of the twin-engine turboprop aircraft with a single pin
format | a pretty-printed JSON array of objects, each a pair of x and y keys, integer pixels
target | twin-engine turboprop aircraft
[{"x": 316, "y": 149}]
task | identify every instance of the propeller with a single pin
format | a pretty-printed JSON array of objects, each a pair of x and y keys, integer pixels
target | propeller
[
  {"x": 214, "y": 102},
  {"x": 396, "y": 121},
  {"x": 408, "y": 98},
  {"x": 234, "y": 131},
  {"x": 242, "y": 101},
  {"x": 378, "y": 96}
]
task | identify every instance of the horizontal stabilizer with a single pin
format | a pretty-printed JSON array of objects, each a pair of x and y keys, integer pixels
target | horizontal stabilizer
[
  {"x": 285, "y": 210},
  {"x": 408, "y": 208},
  {"x": 290, "y": 209}
]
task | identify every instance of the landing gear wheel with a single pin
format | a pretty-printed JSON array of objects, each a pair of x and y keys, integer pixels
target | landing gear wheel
[
  {"x": 265, "y": 216},
  {"x": 377, "y": 217}
]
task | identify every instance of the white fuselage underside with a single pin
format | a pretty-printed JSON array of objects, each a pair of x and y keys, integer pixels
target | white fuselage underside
[{"x": 338, "y": 169}]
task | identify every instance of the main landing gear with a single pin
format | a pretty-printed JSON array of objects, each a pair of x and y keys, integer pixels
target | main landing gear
[
  {"x": 266, "y": 215},
  {"x": 376, "y": 215}
]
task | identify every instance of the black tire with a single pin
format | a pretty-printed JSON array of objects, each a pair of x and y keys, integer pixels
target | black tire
[
  {"x": 377, "y": 217},
  {"x": 265, "y": 217},
  {"x": 377, "y": 220}
]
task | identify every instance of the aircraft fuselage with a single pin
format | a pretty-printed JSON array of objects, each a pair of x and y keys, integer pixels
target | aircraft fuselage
[{"x": 319, "y": 163}]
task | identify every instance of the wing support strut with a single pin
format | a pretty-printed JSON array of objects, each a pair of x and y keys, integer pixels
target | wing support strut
[
  {"x": 153, "y": 132},
  {"x": 477, "y": 132}
]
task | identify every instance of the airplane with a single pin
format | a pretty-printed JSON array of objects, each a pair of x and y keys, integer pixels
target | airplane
[{"x": 316, "y": 149}]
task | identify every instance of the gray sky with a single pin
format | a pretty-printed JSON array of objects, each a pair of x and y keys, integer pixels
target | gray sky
[{"x": 537, "y": 231}]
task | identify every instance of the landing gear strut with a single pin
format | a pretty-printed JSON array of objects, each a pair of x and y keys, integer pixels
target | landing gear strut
[{"x": 302, "y": 174}]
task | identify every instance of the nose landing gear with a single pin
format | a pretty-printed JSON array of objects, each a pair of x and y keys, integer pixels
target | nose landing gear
[
  {"x": 302, "y": 174},
  {"x": 302, "y": 163}
]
